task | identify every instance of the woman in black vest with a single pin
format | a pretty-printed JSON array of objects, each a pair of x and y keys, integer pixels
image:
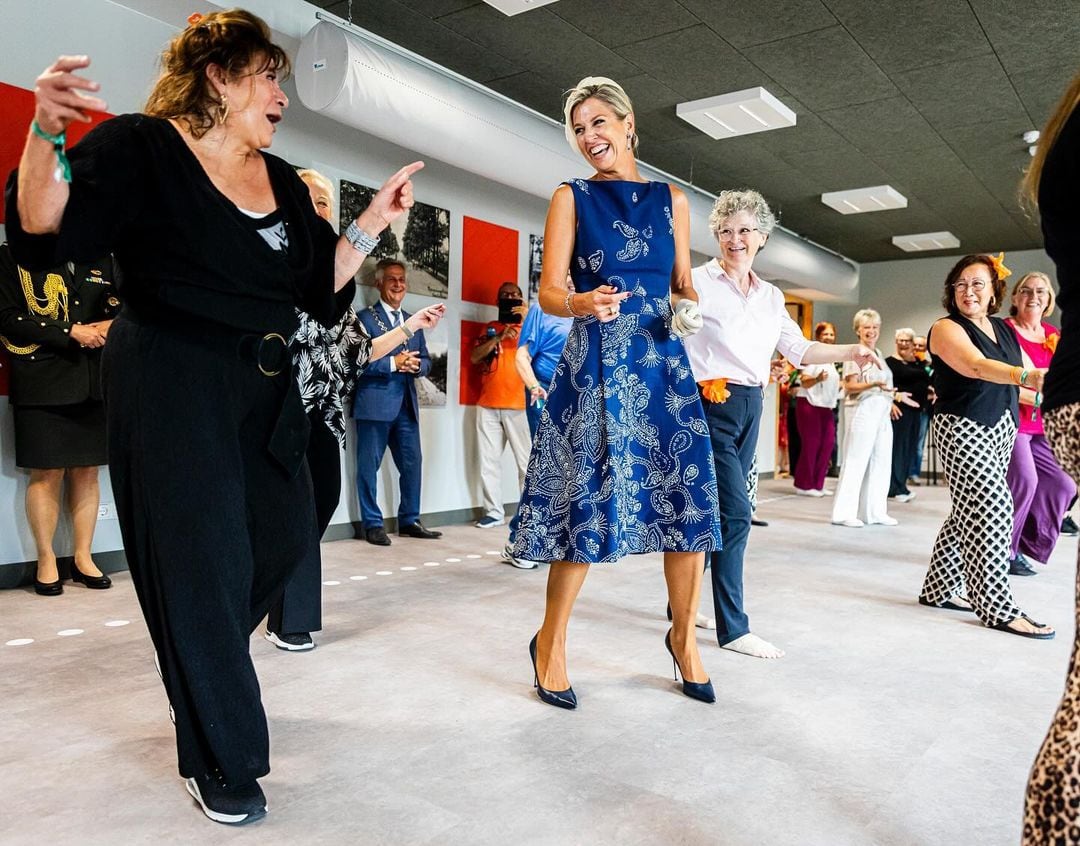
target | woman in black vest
[{"x": 977, "y": 368}]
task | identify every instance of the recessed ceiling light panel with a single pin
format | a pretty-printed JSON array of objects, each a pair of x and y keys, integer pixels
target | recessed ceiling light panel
[
  {"x": 862, "y": 200},
  {"x": 516, "y": 7},
  {"x": 926, "y": 241},
  {"x": 738, "y": 113}
]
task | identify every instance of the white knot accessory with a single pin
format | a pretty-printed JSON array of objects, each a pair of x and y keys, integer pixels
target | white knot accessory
[{"x": 686, "y": 320}]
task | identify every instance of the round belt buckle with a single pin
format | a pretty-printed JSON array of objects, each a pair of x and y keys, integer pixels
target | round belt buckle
[{"x": 258, "y": 355}]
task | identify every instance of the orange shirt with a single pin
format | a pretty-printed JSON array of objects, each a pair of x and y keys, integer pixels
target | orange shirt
[{"x": 501, "y": 386}]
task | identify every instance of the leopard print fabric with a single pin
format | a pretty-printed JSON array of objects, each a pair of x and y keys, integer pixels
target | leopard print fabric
[{"x": 1052, "y": 806}]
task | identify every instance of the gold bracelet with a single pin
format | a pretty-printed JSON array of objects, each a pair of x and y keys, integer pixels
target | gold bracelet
[{"x": 569, "y": 307}]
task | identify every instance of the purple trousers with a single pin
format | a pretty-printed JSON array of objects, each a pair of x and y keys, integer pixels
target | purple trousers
[
  {"x": 817, "y": 430},
  {"x": 1041, "y": 493}
]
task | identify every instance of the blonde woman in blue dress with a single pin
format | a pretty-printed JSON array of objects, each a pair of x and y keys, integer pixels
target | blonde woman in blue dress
[{"x": 621, "y": 463}]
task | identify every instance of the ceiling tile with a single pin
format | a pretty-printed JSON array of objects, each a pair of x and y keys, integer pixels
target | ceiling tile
[
  {"x": 745, "y": 24},
  {"x": 539, "y": 41},
  {"x": 839, "y": 169},
  {"x": 724, "y": 71},
  {"x": 883, "y": 125},
  {"x": 1041, "y": 87},
  {"x": 933, "y": 31},
  {"x": 595, "y": 18},
  {"x": 824, "y": 69},
  {"x": 1036, "y": 32},
  {"x": 398, "y": 23},
  {"x": 960, "y": 93},
  {"x": 535, "y": 90}
]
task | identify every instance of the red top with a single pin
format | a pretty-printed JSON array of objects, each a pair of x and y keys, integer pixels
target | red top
[{"x": 1031, "y": 422}]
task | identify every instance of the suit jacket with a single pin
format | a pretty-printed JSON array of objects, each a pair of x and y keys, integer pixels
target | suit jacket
[
  {"x": 37, "y": 310},
  {"x": 380, "y": 394}
]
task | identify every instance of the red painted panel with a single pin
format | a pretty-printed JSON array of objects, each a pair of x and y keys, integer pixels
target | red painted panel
[
  {"x": 469, "y": 391},
  {"x": 489, "y": 257}
]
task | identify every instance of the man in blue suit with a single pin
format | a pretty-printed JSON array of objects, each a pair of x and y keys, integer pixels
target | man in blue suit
[{"x": 387, "y": 412}]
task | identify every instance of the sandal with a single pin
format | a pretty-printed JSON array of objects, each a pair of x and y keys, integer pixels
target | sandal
[
  {"x": 948, "y": 605},
  {"x": 1006, "y": 626}
]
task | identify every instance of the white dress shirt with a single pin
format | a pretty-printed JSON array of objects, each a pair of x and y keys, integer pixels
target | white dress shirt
[
  {"x": 870, "y": 373},
  {"x": 740, "y": 333},
  {"x": 823, "y": 394}
]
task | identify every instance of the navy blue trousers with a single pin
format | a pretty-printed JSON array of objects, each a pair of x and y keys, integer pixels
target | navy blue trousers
[
  {"x": 733, "y": 428},
  {"x": 403, "y": 437}
]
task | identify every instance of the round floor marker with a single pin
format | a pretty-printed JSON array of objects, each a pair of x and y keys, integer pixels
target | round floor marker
[
  {"x": 69, "y": 632},
  {"x": 357, "y": 578},
  {"x": 331, "y": 583},
  {"x": 115, "y": 624},
  {"x": 384, "y": 572},
  {"x": 452, "y": 560},
  {"x": 20, "y": 641},
  {"x": 408, "y": 568},
  {"x": 431, "y": 563},
  {"x": 474, "y": 556}
]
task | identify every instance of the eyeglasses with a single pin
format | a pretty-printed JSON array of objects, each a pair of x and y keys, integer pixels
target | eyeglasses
[
  {"x": 728, "y": 234},
  {"x": 975, "y": 285},
  {"x": 1033, "y": 292}
]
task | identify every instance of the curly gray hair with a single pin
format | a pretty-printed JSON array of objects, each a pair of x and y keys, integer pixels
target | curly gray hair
[{"x": 733, "y": 202}]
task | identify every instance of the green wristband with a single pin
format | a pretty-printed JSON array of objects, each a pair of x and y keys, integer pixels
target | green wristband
[{"x": 63, "y": 166}]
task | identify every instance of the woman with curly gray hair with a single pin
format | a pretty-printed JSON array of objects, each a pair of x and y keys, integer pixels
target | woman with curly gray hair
[{"x": 744, "y": 320}]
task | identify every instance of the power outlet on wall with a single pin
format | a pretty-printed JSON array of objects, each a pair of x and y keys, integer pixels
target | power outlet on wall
[{"x": 107, "y": 511}]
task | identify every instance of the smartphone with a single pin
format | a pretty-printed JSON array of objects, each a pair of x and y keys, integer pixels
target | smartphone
[{"x": 506, "y": 311}]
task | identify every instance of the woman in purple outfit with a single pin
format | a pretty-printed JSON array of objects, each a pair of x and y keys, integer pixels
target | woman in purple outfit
[{"x": 1041, "y": 490}]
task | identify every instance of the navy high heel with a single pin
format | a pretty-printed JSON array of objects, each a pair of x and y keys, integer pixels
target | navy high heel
[
  {"x": 702, "y": 691},
  {"x": 558, "y": 698}
]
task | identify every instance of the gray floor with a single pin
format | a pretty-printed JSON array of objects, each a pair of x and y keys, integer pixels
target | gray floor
[{"x": 414, "y": 721}]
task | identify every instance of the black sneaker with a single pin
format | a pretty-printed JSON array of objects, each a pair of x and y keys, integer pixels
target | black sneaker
[
  {"x": 226, "y": 804},
  {"x": 1019, "y": 566},
  {"x": 294, "y": 642},
  {"x": 1069, "y": 527}
]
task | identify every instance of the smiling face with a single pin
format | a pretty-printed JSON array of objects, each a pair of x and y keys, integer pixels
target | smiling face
[
  {"x": 601, "y": 135},
  {"x": 973, "y": 290},
  {"x": 393, "y": 286},
  {"x": 256, "y": 102},
  {"x": 1031, "y": 299},
  {"x": 322, "y": 196},
  {"x": 905, "y": 348},
  {"x": 739, "y": 238},
  {"x": 827, "y": 335},
  {"x": 869, "y": 331}
]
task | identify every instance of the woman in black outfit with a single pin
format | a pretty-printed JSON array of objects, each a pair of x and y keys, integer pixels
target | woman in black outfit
[
  {"x": 910, "y": 376},
  {"x": 220, "y": 245},
  {"x": 54, "y": 323},
  {"x": 1052, "y": 809},
  {"x": 976, "y": 373}
]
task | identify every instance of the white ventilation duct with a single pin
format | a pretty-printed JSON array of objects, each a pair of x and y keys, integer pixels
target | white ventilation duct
[{"x": 361, "y": 82}]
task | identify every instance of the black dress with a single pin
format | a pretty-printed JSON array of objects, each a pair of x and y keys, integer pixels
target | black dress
[
  {"x": 206, "y": 429},
  {"x": 55, "y": 383}
]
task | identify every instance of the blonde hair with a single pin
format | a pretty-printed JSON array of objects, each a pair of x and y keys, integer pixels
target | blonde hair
[
  {"x": 864, "y": 315},
  {"x": 235, "y": 40},
  {"x": 1035, "y": 274},
  {"x": 1029, "y": 187},
  {"x": 733, "y": 202},
  {"x": 309, "y": 175},
  {"x": 607, "y": 91}
]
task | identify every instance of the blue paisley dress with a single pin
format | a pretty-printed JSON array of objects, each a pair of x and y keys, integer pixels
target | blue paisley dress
[{"x": 622, "y": 462}]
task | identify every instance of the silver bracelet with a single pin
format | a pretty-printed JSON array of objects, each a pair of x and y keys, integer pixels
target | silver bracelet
[
  {"x": 570, "y": 308},
  {"x": 360, "y": 240},
  {"x": 408, "y": 332}
]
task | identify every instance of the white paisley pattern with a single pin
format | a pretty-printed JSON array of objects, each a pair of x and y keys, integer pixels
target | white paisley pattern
[{"x": 622, "y": 461}]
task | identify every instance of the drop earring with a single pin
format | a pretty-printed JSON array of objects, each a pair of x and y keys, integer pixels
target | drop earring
[
  {"x": 629, "y": 139},
  {"x": 223, "y": 109}
]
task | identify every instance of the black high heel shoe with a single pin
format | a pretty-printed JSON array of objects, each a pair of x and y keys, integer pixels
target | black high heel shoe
[
  {"x": 559, "y": 698},
  {"x": 702, "y": 691},
  {"x": 101, "y": 582}
]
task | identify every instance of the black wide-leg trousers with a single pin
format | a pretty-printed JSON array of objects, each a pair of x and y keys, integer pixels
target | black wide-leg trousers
[{"x": 212, "y": 524}]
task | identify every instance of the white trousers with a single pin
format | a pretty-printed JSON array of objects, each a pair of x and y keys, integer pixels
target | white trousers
[
  {"x": 495, "y": 428},
  {"x": 863, "y": 490}
]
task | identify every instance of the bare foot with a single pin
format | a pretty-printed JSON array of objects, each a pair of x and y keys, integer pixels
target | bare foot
[
  {"x": 752, "y": 645},
  {"x": 1026, "y": 627},
  {"x": 689, "y": 659}
]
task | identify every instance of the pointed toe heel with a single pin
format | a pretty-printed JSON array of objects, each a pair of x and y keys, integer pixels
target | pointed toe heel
[
  {"x": 701, "y": 691},
  {"x": 559, "y": 698}
]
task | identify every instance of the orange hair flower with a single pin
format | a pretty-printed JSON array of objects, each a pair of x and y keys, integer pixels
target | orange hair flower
[
  {"x": 999, "y": 266},
  {"x": 714, "y": 390},
  {"x": 194, "y": 18},
  {"x": 1051, "y": 342}
]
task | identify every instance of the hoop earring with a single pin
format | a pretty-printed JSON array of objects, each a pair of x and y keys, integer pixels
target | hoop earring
[{"x": 223, "y": 109}]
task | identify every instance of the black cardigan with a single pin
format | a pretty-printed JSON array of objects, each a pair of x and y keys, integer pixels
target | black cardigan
[{"x": 187, "y": 251}]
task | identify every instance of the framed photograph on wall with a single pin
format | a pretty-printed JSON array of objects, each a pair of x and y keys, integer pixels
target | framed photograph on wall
[
  {"x": 431, "y": 389},
  {"x": 420, "y": 238},
  {"x": 536, "y": 262}
]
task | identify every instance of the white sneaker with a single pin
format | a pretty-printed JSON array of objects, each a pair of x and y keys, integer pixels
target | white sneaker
[
  {"x": 851, "y": 524},
  {"x": 804, "y": 492},
  {"x": 904, "y": 497},
  {"x": 886, "y": 521},
  {"x": 825, "y": 492},
  {"x": 521, "y": 563}
]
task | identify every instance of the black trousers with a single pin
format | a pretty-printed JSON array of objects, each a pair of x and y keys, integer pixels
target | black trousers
[
  {"x": 300, "y": 606},
  {"x": 905, "y": 441},
  {"x": 212, "y": 524}
]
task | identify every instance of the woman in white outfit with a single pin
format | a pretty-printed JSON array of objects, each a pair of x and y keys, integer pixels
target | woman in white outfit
[{"x": 863, "y": 490}]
